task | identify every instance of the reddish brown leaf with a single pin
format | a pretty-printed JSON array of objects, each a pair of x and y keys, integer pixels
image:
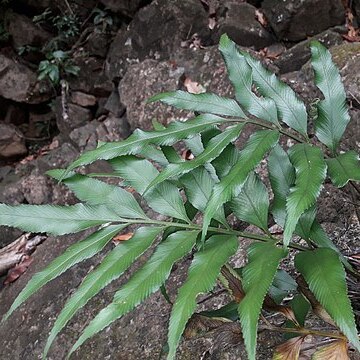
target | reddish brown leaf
[
  {"x": 122, "y": 237},
  {"x": 289, "y": 350},
  {"x": 335, "y": 351},
  {"x": 18, "y": 270}
]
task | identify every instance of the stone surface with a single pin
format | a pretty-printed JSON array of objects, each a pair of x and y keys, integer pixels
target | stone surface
[
  {"x": 239, "y": 22},
  {"x": 37, "y": 189},
  {"x": 77, "y": 116},
  {"x": 12, "y": 142},
  {"x": 156, "y": 31},
  {"x": 114, "y": 105},
  {"x": 24, "y": 31},
  {"x": 91, "y": 79},
  {"x": 295, "y": 20},
  {"x": 82, "y": 99},
  {"x": 295, "y": 57},
  {"x": 124, "y": 7},
  {"x": 98, "y": 44},
  {"x": 19, "y": 83}
]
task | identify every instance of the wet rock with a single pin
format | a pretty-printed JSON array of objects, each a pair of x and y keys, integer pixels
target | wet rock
[
  {"x": 77, "y": 116},
  {"x": 24, "y": 31},
  {"x": 82, "y": 99},
  {"x": 123, "y": 7},
  {"x": 19, "y": 83},
  {"x": 295, "y": 20},
  {"x": 156, "y": 31},
  {"x": 239, "y": 22},
  {"x": 37, "y": 189},
  {"x": 295, "y": 57},
  {"x": 12, "y": 142}
]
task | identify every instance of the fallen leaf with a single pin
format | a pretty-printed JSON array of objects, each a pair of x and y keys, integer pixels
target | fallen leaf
[
  {"x": 187, "y": 155},
  {"x": 193, "y": 86},
  {"x": 335, "y": 351},
  {"x": 122, "y": 237},
  {"x": 289, "y": 350},
  {"x": 260, "y": 17},
  {"x": 18, "y": 270}
]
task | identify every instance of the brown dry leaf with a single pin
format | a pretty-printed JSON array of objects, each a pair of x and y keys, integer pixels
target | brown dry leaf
[
  {"x": 199, "y": 324},
  {"x": 232, "y": 282},
  {"x": 289, "y": 350},
  {"x": 271, "y": 306},
  {"x": 315, "y": 305},
  {"x": 335, "y": 351},
  {"x": 18, "y": 270},
  {"x": 260, "y": 17},
  {"x": 122, "y": 237},
  {"x": 193, "y": 86}
]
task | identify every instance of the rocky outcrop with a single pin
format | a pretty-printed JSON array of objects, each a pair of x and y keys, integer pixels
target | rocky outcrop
[
  {"x": 12, "y": 142},
  {"x": 20, "y": 84},
  {"x": 295, "y": 20}
]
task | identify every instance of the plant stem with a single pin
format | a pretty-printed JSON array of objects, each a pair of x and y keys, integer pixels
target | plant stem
[
  {"x": 274, "y": 127},
  {"x": 243, "y": 234},
  {"x": 305, "y": 332}
]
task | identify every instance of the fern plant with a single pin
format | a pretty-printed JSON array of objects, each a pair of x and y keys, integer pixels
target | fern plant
[{"x": 221, "y": 179}]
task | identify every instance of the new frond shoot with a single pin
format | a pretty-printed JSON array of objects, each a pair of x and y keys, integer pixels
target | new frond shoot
[{"x": 219, "y": 180}]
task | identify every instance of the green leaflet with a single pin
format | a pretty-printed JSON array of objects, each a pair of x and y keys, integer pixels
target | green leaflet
[
  {"x": 291, "y": 110},
  {"x": 282, "y": 177},
  {"x": 202, "y": 276},
  {"x": 198, "y": 185},
  {"x": 138, "y": 173},
  {"x": 143, "y": 283},
  {"x": 343, "y": 168},
  {"x": 110, "y": 268},
  {"x": 139, "y": 139},
  {"x": 257, "y": 276},
  {"x": 57, "y": 220},
  {"x": 74, "y": 254},
  {"x": 230, "y": 186},
  {"x": 325, "y": 275},
  {"x": 226, "y": 160},
  {"x": 333, "y": 115},
  {"x": 96, "y": 192},
  {"x": 240, "y": 75},
  {"x": 205, "y": 102},
  {"x": 213, "y": 149},
  {"x": 252, "y": 204},
  {"x": 310, "y": 170}
]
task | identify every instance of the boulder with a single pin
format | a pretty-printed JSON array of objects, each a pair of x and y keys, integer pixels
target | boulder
[
  {"x": 24, "y": 31},
  {"x": 82, "y": 99},
  {"x": 19, "y": 83},
  {"x": 150, "y": 77},
  {"x": 37, "y": 189},
  {"x": 156, "y": 31},
  {"x": 123, "y": 7},
  {"x": 294, "y": 58},
  {"x": 295, "y": 20},
  {"x": 91, "y": 79},
  {"x": 97, "y": 44},
  {"x": 239, "y": 22},
  {"x": 77, "y": 116},
  {"x": 12, "y": 142}
]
